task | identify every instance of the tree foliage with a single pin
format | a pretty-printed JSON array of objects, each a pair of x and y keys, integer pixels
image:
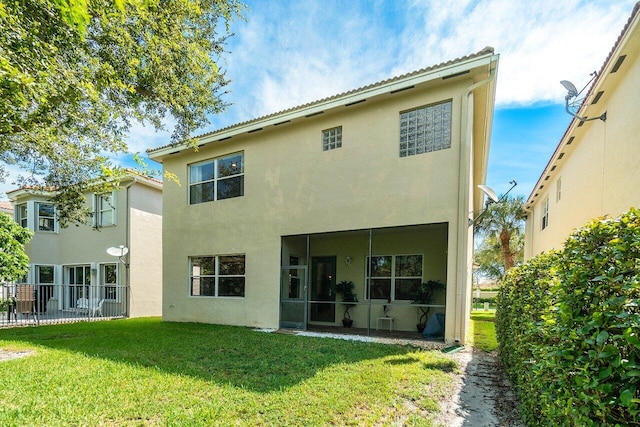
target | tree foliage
[
  {"x": 500, "y": 229},
  {"x": 14, "y": 263},
  {"x": 568, "y": 325},
  {"x": 75, "y": 75}
]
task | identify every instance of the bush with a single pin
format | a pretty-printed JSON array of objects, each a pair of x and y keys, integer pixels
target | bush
[{"x": 568, "y": 324}]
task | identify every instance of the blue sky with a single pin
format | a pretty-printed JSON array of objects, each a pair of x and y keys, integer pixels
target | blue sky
[{"x": 289, "y": 52}]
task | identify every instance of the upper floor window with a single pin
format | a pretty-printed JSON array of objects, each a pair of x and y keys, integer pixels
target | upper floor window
[
  {"x": 332, "y": 138},
  {"x": 395, "y": 277},
  {"x": 22, "y": 216},
  {"x": 105, "y": 210},
  {"x": 216, "y": 179},
  {"x": 545, "y": 213},
  {"x": 425, "y": 129},
  {"x": 218, "y": 276},
  {"x": 46, "y": 216}
]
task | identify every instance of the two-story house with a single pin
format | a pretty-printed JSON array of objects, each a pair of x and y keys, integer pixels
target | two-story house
[
  {"x": 594, "y": 169},
  {"x": 375, "y": 186},
  {"x": 71, "y": 264}
]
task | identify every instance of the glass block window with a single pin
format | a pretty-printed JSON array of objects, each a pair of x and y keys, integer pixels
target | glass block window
[
  {"x": 332, "y": 138},
  {"x": 425, "y": 129}
]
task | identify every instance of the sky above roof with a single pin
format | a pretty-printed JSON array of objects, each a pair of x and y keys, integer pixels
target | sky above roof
[{"x": 290, "y": 52}]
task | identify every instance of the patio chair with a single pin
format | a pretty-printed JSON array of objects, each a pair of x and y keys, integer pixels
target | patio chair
[
  {"x": 91, "y": 306},
  {"x": 26, "y": 300}
]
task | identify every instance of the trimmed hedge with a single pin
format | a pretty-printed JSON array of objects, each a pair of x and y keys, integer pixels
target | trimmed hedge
[{"x": 568, "y": 326}]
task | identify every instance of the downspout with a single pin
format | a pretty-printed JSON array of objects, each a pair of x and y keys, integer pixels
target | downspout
[{"x": 463, "y": 201}]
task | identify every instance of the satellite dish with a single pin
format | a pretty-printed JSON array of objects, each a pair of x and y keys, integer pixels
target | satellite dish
[
  {"x": 570, "y": 87},
  {"x": 489, "y": 192},
  {"x": 118, "y": 251}
]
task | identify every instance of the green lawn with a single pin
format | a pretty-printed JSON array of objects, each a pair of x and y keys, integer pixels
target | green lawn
[
  {"x": 148, "y": 372},
  {"x": 483, "y": 330}
]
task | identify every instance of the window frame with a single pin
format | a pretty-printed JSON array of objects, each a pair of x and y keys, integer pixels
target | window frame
[
  {"x": 20, "y": 219},
  {"x": 545, "y": 214},
  {"x": 393, "y": 277},
  {"x": 332, "y": 138},
  {"x": 99, "y": 210},
  {"x": 216, "y": 179},
  {"x": 425, "y": 129},
  {"x": 110, "y": 291},
  {"x": 216, "y": 276},
  {"x": 52, "y": 218}
]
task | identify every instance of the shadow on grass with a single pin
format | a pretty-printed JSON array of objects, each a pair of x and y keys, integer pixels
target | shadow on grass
[{"x": 261, "y": 362}]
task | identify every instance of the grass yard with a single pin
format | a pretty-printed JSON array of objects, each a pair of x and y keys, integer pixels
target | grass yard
[
  {"x": 483, "y": 330},
  {"x": 149, "y": 372}
]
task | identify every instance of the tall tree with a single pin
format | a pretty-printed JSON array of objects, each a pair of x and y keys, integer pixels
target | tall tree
[
  {"x": 14, "y": 263},
  {"x": 75, "y": 74},
  {"x": 501, "y": 228}
]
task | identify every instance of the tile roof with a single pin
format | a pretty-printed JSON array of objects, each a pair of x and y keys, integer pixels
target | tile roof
[{"x": 487, "y": 50}]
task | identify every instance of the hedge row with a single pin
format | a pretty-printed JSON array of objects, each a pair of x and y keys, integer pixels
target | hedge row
[{"x": 568, "y": 325}]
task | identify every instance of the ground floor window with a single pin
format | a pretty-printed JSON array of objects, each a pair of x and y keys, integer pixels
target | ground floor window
[
  {"x": 394, "y": 277},
  {"x": 218, "y": 276},
  {"x": 110, "y": 281}
]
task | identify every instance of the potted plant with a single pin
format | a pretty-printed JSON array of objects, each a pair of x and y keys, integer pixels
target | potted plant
[
  {"x": 345, "y": 290},
  {"x": 424, "y": 295}
]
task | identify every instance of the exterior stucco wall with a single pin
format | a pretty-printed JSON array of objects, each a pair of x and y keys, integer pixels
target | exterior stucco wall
[
  {"x": 292, "y": 187},
  {"x": 145, "y": 256},
  {"x": 599, "y": 172}
]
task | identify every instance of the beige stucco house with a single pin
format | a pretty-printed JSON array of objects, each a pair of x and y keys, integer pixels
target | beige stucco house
[
  {"x": 374, "y": 186},
  {"x": 595, "y": 169},
  {"x": 68, "y": 264}
]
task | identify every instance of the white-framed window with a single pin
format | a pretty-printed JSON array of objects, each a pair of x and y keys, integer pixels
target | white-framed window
[
  {"x": 105, "y": 209},
  {"x": 558, "y": 189},
  {"x": 44, "y": 274},
  {"x": 545, "y": 213},
  {"x": 217, "y": 276},
  {"x": 216, "y": 179},
  {"x": 394, "y": 277},
  {"x": 332, "y": 138},
  {"x": 22, "y": 217},
  {"x": 46, "y": 216},
  {"x": 425, "y": 129},
  {"x": 109, "y": 274},
  {"x": 78, "y": 280}
]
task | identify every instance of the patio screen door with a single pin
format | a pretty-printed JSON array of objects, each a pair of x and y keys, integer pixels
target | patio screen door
[{"x": 293, "y": 297}]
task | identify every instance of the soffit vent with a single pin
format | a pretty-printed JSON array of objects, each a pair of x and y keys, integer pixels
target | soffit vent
[
  {"x": 570, "y": 141},
  {"x": 618, "y": 63},
  {"x": 597, "y": 98}
]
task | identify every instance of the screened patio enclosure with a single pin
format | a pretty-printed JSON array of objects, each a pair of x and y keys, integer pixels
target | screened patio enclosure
[{"x": 386, "y": 265}]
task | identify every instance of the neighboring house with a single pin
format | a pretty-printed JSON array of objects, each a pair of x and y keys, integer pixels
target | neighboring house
[
  {"x": 595, "y": 170},
  {"x": 272, "y": 212},
  {"x": 6, "y": 207},
  {"x": 67, "y": 264}
]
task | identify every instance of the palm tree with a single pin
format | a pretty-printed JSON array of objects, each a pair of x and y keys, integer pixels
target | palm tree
[{"x": 501, "y": 227}]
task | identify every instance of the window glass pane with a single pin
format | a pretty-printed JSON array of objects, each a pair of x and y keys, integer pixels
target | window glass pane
[
  {"x": 231, "y": 287},
  {"x": 380, "y": 288},
  {"x": 45, "y": 274},
  {"x": 230, "y": 187},
  {"x": 409, "y": 265},
  {"x": 200, "y": 193},
  {"x": 87, "y": 275},
  {"x": 231, "y": 165},
  {"x": 203, "y": 286},
  {"x": 202, "y": 172},
  {"x": 110, "y": 275},
  {"x": 45, "y": 209},
  {"x": 46, "y": 218},
  {"x": 203, "y": 266},
  {"x": 231, "y": 265},
  {"x": 381, "y": 266},
  {"x": 406, "y": 288}
]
